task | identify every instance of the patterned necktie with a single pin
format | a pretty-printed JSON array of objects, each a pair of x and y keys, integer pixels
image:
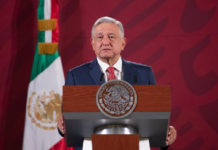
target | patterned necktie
[{"x": 111, "y": 75}]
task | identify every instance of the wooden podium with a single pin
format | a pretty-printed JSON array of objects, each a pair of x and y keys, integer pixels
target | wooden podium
[{"x": 150, "y": 117}]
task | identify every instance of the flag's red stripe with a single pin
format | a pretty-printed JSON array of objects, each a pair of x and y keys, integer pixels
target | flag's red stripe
[
  {"x": 54, "y": 15},
  {"x": 61, "y": 145}
]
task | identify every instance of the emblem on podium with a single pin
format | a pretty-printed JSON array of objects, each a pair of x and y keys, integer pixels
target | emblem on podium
[{"x": 116, "y": 99}]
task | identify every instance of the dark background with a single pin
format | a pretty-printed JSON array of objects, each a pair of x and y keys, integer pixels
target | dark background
[{"x": 178, "y": 38}]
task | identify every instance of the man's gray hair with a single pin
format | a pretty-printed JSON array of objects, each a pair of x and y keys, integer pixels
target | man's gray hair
[{"x": 107, "y": 20}]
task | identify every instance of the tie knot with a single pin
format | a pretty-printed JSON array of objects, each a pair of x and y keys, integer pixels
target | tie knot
[{"x": 110, "y": 69}]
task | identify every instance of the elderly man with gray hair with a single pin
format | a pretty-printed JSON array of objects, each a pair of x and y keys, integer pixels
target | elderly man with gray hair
[{"x": 108, "y": 41}]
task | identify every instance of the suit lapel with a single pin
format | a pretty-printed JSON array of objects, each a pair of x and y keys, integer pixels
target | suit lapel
[
  {"x": 95, "y": 73},
  {"x": 129, "y": 74}
]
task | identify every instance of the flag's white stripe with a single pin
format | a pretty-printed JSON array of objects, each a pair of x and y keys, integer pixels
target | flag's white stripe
[
  {"x": 52, "y": 78},
  {"x": 48, "y": 36},
  {"x": 47, "y": 15},
  {"x": 47, "y": 9}
]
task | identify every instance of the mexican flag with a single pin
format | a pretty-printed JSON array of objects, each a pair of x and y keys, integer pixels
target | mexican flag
[
  {"x": 44, "y": 98},
  {"x": 44, "y": 107}
]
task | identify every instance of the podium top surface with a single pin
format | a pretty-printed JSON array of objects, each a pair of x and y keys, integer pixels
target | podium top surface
[{"x": 82, "y": 98}]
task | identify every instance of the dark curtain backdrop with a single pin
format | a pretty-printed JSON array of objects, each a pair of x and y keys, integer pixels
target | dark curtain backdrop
[{"x": 178, "y": 38}]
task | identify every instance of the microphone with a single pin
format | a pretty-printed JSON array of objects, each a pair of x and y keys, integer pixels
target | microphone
[
  {"x": 135, "y": 78},
  {"x": 102, "y": 76}
]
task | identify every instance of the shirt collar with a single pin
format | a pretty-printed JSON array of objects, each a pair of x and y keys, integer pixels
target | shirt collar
[{"x": 104, "y": 66}]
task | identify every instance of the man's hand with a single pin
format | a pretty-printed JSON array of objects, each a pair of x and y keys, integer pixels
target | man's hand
[
  {"x": 171, "y": 135},
  {"x": 60, "y": 125}
]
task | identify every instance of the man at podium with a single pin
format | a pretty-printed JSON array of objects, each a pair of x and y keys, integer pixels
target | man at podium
[{"x": 108, "y": 41}]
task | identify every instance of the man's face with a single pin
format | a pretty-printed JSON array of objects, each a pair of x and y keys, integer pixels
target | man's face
[{"x": 107, "y": 41}]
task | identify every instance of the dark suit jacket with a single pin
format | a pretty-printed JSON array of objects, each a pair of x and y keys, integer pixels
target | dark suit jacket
[{"x": 90, "y": 74}]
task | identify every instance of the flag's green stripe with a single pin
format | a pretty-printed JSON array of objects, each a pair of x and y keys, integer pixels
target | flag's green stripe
[
  {"x": 40, "y": 10},
  {"x": 41, "y": 62}
]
